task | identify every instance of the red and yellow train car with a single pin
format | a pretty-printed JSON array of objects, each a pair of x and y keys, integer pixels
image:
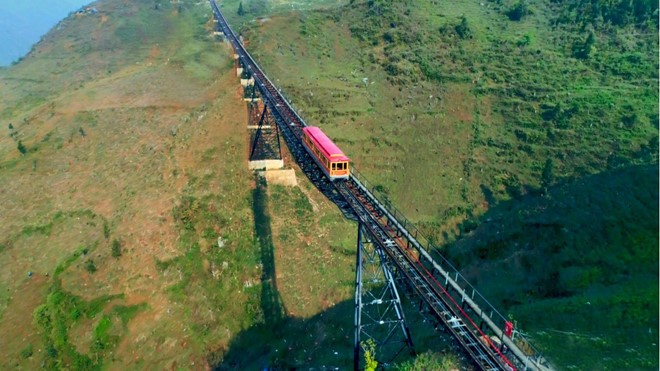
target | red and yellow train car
[{"x": 330, "y": 158}]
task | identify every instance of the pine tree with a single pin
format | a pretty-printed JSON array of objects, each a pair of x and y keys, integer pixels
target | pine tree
[{"x": 241, "y": 11}]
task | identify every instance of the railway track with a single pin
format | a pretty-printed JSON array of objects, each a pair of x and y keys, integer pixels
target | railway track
[{"x": 432, "y": 280}]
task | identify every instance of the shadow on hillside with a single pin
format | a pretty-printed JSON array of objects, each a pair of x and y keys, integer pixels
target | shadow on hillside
[
  {"x": 609, "y": 218},
  {"x": 271, "y": 302},
  {"x": 590, "y": 234},
  {"x": 583, "y": 258},
  {"x": 324, "y": 341}
]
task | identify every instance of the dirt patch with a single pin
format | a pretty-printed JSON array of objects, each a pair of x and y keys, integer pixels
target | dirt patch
[
  {"x": 281, "y": 177},
  {"x": 17, "y": 321},
  {"x": 460, "y": 104}
]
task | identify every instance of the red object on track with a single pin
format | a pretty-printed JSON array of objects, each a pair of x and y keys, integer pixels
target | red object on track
[
  {"x": 508, "y": 328},
  {"x": 331, "y": 159}
]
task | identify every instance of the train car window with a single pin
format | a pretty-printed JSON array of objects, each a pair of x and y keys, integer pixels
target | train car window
[{"x": 334, "y": 166}]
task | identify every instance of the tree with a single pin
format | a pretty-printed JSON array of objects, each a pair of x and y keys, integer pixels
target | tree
[
  {"x": 241, "y": 11},
  {"x": 11, "y": 127},
  {"x": 116, "y": 248},
  {"x": 518, "y": 11},
  {"x": 582, "y": 50},
  {"x": 463, "y": 29},
  {"x": 21, "y": 148},
  {"x": 90, "y": 266}
]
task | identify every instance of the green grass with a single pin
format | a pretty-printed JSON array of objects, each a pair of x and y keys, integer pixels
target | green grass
[
  {"x": 62, "y": 310},
  {"x": 101, "y": 94},
  {"x": 578, "y": 265},
  {"x": 453, "y": 130},
  {"x": 455, "y": 127},
  {"x": 54, "y": 319},
  {"x": 430, "y": 361}
]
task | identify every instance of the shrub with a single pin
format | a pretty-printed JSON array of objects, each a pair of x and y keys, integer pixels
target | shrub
[
  {"x": 27, "y": 352},
  {"x": 116, "y": 248},
  {"x": 369, "y": 347},
  {"x": 463, "y": 29},
  {"x": 21, "y": 148},
  {"x": 90, "y": 266},
  {"x": 518, "y": 11},
  {"x": 430, "y": 361},
  {"x": 106, "y": 230},
  {"x": 583, "y": 49}
]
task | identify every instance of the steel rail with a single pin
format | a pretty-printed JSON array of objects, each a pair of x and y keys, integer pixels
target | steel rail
[
  {"x": 534, "y": 362},
  {"x": 482, "y": 355}
]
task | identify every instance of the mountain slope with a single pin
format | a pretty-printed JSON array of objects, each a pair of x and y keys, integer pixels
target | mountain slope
[
  {"x": 458, "y": 112},
  {"x": 119, "y": 115}
]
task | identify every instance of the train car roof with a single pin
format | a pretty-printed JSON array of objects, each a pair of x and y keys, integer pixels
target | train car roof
[{"x": 329, "y": 149}]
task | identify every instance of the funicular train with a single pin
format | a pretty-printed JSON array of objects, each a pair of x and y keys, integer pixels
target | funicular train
[{"x": 327, "y": 155}]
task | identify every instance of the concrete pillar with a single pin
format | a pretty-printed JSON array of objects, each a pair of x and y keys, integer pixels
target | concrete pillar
[{"x": 247, "y": 82}]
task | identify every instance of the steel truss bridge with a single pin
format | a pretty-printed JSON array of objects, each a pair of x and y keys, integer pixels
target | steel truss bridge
[{"x": 392, "y": 256}]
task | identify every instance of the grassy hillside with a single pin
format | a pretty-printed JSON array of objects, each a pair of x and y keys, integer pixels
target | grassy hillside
[
  {"x": 577, "y": 266},
  {"x": 104, "y": 124},
  {"x": 112, "y": 126},
  {"x": 123, "y": 170},
  {"x": 462, "y": 111},
  {"x": 502, "y": 129}
]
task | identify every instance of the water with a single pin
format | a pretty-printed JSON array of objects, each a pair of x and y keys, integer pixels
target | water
[{"x": 24, "y": 22}]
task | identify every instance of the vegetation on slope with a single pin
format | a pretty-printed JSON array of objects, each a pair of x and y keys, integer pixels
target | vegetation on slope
[
  {"x": 153, "y": 247},
  {"x": 112, "y": 122},
  {"x": 576, "y": 266},
  {"x": 462, "y": 114},
  {"x": 462, "y": 111}
]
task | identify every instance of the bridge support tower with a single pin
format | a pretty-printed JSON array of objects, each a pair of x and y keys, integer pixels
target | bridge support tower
[
  {"x": 378, "y": 313},
  {"x": 265, "y": 150}
]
